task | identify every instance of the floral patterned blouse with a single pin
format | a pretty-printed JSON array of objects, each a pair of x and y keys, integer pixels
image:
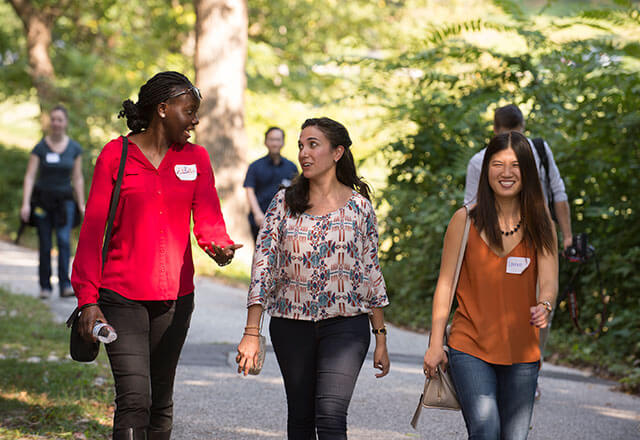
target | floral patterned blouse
[{"x": 317, "y": 267}]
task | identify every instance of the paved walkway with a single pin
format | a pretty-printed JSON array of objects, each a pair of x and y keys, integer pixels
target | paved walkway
[{"x": 212, "y": 402}]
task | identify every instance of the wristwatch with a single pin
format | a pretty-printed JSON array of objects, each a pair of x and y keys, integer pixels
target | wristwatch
[
  {"x": 547, "y": 305},
  {"x": 379, "y": 331}
]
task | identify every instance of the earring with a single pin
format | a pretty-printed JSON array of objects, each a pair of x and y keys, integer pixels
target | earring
[{"x": 162, "y": 115}]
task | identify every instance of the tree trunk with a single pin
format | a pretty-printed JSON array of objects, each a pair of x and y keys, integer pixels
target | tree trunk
[
  {"x": 38, "y": 25},
  {"x": 221, "y": 51}
]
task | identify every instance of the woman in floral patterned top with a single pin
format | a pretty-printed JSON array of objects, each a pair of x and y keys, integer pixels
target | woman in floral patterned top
[{"x": 316, "y": 272}]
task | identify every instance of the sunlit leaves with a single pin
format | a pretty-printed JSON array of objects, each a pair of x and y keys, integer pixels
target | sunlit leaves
[{"x": 581, "y": 94}]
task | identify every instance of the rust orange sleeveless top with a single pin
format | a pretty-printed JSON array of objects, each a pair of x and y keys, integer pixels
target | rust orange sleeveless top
[{"x": 492, "y": 318}]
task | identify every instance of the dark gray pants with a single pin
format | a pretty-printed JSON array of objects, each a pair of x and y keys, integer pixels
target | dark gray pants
[
  {"x": 320, "y": 362},
  {"x": 144, "y": 357}
]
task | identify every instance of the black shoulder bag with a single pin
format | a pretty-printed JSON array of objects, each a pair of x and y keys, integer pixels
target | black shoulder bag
[
  {"x": 80, "y": 349},
  {"x": 538, "y": 143}
]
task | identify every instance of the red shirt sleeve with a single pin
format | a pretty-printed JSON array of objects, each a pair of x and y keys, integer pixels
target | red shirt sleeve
[
  {"x": 87, "y": 263},
  {"x": 208, "y": 223}
]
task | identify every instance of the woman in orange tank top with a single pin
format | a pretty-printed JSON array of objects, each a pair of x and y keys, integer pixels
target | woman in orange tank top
[{"x": 494, "y": 356}]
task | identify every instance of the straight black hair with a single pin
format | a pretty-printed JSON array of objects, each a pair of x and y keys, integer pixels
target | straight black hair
[
  {"x": 536, "y": 220},
  {"x": 508, "y": 117},
  {"x": 60, "y": 108},
  {"x": 270, "y": 129}
]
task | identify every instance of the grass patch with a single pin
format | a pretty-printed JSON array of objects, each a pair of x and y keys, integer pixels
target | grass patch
[{"x": 43, "y": 393}]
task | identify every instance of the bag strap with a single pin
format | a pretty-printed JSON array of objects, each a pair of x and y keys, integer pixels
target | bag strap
[
  {"x": 113, "y": 205},
  {"x": 115, "y": 198},
  {"x": 463, "y": 247},
  {"x": 538, "y": 144}
]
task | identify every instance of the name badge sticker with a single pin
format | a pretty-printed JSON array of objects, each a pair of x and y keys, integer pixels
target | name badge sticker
[
  {"x": 52, "y": 158},
  {"x": 517, "y": 265},
  {"x": 186, "y": 172}
]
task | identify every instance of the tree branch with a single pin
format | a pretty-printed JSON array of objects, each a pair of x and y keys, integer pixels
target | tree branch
[{"x": 24, "y": 9}]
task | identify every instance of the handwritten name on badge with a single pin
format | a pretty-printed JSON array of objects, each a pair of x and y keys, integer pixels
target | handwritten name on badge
[
  {"x": 517, "y": 265},
  {"x": 52, "y": 158},
  {"x": 186, "y": 172}
]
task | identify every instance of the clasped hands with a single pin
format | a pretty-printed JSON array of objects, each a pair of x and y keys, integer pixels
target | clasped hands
[{"x": 222, "y": 255}]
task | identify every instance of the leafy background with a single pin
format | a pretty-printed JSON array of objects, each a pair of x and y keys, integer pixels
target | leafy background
[{"x": 416, "y": 82}]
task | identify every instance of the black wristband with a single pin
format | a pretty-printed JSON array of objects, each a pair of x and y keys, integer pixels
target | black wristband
[{"x": 84, "y": 306}]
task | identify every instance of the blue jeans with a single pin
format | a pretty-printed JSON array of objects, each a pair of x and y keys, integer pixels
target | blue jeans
[
  {"x": 320, "y": 362},
  {"x": 496, "y": 400},
  {"x": 63, "y": 239}
]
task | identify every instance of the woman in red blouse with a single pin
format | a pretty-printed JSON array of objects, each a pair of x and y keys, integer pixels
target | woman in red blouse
[{"x": 145, "y": 289}]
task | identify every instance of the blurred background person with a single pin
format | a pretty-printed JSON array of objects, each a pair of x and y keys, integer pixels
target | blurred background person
[
  {"x": 265, "y": 176},
  {"x": 53, "y": 185}
]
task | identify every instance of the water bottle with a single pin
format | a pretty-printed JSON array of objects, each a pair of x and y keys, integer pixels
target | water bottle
[{"x": 104, "y": 332}]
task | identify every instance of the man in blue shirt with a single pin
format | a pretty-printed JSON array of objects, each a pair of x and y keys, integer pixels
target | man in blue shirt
[{"x": 265, "y": 176}]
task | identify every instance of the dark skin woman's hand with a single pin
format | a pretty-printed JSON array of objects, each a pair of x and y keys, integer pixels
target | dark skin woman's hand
[
  {"x": 222, "y": 255},
  {"x": 87, "y": 320}
]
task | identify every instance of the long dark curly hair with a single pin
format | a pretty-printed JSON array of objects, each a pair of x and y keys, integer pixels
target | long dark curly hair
[{"x": 297, "y": 195}]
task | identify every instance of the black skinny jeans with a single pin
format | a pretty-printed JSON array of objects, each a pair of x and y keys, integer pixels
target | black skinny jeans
[
  {"x": 144, "y": 357},
  {"x": 320, "y": 362}
]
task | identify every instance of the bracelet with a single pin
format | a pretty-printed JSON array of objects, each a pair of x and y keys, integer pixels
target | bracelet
[
  {"x": 252, "y": 326},
  {"x": 547, "y": 305},
  {"x": 379, "y": 331},
  {"x": 251, "y": 334}
]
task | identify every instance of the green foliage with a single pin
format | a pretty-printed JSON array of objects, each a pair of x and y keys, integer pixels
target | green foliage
[
  {"x": 102, "y": 51},
  {"x": 294, "y": 44},
  {"x": 12, "y": 64},
  {"x": 15, "y": 161},
  {"x": 582, "y": 96}
]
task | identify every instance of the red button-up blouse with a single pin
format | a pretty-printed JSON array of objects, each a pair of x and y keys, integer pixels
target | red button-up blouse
[{"x": 149, "y": 256}]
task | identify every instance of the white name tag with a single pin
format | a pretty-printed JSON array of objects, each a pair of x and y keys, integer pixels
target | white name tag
[
  {"x": 517, "y": 265},
  {"x": 52, "y": 158},
  {"x": 186, "y": 172}
]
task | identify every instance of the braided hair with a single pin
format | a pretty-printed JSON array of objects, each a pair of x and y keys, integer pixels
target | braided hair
[{"x": 153, "y": 92}]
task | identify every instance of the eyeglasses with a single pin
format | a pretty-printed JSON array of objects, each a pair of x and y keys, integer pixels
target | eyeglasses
[{"x": 193, "y": 89}]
